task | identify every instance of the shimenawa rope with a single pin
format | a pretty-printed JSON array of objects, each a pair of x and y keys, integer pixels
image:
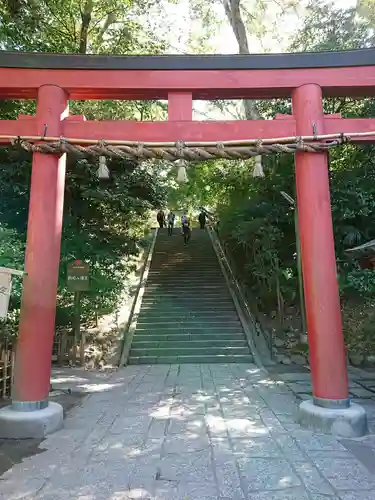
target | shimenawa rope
[{"x": 193, "y": 151}]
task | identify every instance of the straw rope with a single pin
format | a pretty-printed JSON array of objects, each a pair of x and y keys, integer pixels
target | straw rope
[{"x": 178, "y": 151}]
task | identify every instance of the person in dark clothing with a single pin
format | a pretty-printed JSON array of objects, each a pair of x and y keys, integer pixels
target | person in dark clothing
[
  {"x": 160, "y": 218},
  {"x": 186, "y": 230},
  {"x": 171, "y": 217},
  {"x": 202, "y": 219}
]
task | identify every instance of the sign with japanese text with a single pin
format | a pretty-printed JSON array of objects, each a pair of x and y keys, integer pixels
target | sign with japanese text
[
  {"x": 78, "y": 276},
  {"x": 5, "y": 290}
]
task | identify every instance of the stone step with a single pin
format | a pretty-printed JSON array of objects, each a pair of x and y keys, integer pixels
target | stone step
[
  {"x": 170, "y": 266},
  {"x": 205, "y": 256},
  {"x": 166, "y": 251},
  {"x": 179, "y": 253},
  {"x": 184, "y": 344},
  {"x": 179, "y": 323},
  {"x": 169, "y": 283},
  {"x": 175, "y": 271},
  {"x": 157, "y": 287},
  {"x": 184, "y": 263},
  {"x": 198, "y": 328},
  {"x": 179, "y": 248},
  {"x": 187, "y": 359},
  {"x": 185, "y": 296},
  {"x": 206, "y": 285},
  {"x": 168, "y": 259},
  {"x": 171, "y": 286},
  {"x": 192, "y": 332},
  {"x": 189, "y": 291},
  {"x": 189, "y": 325},
  {"x": 201, "y": 326},
  {"x": 144, "y": 320},
  {"x": 178, "y": 270},
  {"x": 168, "y": 263},
  {"x": 186, "y": 278},
  {"x": 182, "y": 309},
  {"x": 172, "y": 261},
  {"x": 186, "y": 315},
  {"x": 189, "y": 300},
  {"x": 190, "y": 273},
  {"x": 180, "y": 291},
  {"x": 207, "y": 260},
  {"x": 182, "y": 305},
  {"x": 187, "y": 351},
  {"x": 186, "y": 337}
]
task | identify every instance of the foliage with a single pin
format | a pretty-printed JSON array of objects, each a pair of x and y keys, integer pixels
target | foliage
[
  {"x": 331, "y": 28},
  {"x": 105, "y": 222},
  {"x": 11, "y": 255},
  {"x": 77, "y": 26},
  {"x": 210, "y": 183},
  {"x": 366, "y": 9},
  {"x": 358, "y": 319}
]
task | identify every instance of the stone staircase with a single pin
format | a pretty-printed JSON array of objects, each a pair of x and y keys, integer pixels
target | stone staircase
[{"x": 187, "y": 314}]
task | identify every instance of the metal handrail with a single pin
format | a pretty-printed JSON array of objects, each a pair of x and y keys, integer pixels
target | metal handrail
[{"x": 259, "y": 331}]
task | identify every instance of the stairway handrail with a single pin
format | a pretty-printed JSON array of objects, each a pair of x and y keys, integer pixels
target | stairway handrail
[
  {"x": 137, "y": 301},
  {"x": 259, "y": 330},
  {"x": 239, "y": 298}
]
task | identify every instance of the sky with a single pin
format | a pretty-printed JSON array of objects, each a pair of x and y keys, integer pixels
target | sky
[{"x": 182, "y": 28}]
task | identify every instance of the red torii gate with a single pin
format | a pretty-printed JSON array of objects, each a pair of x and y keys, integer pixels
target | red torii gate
[{"x": 55, "y": 79}]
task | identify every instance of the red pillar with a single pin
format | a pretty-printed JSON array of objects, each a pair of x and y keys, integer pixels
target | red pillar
[
  {"x": 37, "y": 322},
  {"x": 323, "y": 311}
]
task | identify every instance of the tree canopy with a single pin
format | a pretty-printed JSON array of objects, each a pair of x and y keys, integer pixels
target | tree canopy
[
  {"x": 257, "y": 224},
  {"x": 105, "y": 221}
]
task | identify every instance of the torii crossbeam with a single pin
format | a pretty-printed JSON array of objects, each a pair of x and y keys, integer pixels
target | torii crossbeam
[{"x": 307, "y": 77}]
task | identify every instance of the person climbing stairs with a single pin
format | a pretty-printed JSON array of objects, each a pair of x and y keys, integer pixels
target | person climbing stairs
[{"x": 187, "y": 314}]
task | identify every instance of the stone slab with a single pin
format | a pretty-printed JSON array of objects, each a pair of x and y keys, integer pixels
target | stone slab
[{"x": 209, "y": 432}]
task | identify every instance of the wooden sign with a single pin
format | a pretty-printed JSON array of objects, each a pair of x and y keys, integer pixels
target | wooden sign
[{"x": 78, "y": 276}]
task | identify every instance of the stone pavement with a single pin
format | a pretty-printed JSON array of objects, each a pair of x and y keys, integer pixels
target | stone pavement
[{"x": 194, "y": 432}]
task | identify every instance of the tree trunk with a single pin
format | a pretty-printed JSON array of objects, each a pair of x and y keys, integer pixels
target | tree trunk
[
  {"x": 233, "y": 13},
  {"x": 111, "y": 18},
  {"x": 86, "y": 20}
]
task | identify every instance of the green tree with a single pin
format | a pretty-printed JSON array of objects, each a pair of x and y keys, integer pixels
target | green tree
[
  {"x": 366, "y": 9},
  {"x": 77, "y": 26},
  {"x": 104, "y": 221},
  {"x": 327, "y": 27}
]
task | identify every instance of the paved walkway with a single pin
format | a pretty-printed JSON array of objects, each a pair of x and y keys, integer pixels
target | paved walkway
[{"x": 193, "y": 432}]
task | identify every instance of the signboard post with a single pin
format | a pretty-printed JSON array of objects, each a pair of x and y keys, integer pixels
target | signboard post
[{"x": 78, "y": 280}]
